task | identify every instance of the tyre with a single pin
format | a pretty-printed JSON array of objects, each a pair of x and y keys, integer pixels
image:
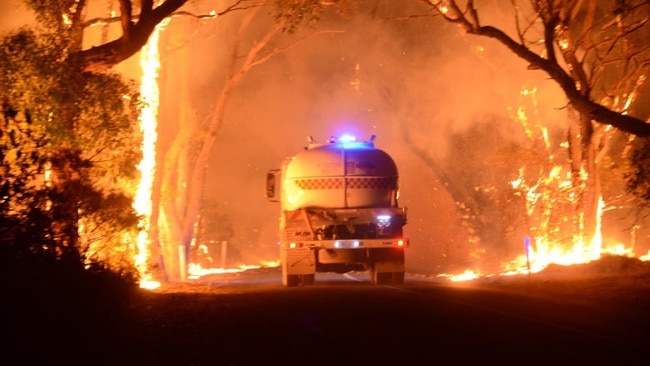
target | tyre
[
  {"x": 380, "y": 278},
  {"x": 291, "y": 280},
  {"x": 307, "y": 279},
  {"x": 397, "y": 278}
]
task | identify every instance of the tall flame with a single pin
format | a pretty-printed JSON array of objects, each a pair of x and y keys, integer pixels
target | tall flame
[{"x": 150, "y": 64}]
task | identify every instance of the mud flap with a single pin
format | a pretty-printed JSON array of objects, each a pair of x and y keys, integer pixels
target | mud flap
[
  {"x": 387, "y": 273},
  {"x": 389, "y": 266},
  {"x": 297, "y": 264}
]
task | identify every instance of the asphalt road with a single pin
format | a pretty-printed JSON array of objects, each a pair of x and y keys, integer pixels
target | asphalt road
[{"x": 250, "y": 319}]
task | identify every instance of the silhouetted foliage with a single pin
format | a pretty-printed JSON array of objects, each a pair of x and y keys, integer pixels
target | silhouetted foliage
[
  {"x": 638, "y": 172},
  {"x": 295, "y": 13},
  {"x": 67, "y": 151},
  {"x": 22, "y": 198},
  {"x": 52, "y": 296},
  {"x": 79, "y": 129}
]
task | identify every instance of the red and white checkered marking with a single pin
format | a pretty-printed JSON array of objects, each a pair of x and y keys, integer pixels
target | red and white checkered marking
[
  {"x": 371, "y": 183},
  {"x": 319, "y": 183},
  {"x": 351, "y": 182}
]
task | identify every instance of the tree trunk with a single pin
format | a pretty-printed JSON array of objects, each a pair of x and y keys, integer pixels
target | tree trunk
[
  {"x": 184, "y": 180},
  {"x": 583, "y": 149},
  {"x": 173, "y": 187}
]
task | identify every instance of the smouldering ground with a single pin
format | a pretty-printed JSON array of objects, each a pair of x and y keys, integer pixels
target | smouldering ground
[
  {"x": 224, "y": 319},
  {"x": 617, "y": 278},
  {"x": 219, "y": 319}
]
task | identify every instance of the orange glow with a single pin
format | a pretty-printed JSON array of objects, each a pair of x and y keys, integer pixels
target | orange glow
[{"x": 543, "y": 251}]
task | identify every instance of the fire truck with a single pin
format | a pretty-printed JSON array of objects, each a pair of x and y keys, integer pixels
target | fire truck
[{"x": 339, "y": 212}]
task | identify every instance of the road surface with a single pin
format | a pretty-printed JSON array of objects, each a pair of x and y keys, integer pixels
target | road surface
[{"x": 250, "y": 319}]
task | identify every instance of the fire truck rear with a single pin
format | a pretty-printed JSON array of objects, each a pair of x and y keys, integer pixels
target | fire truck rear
[{"x": 339, "y": 212}]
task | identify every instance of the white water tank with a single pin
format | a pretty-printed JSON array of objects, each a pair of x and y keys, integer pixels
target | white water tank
[{"x": 340, "y": 174}]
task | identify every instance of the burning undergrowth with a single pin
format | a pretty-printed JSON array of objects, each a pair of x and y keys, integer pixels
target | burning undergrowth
[
  {"x": 610, "y": 279},
  {"x": 608, "y": 265}
]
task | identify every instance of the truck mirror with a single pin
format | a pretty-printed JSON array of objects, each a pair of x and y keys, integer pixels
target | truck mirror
[{"x": 271, "y": 193}]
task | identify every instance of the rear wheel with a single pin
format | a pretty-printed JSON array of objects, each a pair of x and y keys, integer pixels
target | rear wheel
[
  {"x": 379, "y": 278},
  {"x": 384, "y": 278},
  {"x": 291, "y": 280},
  {"x": 307, "y": 279},
  {"x": 297, "y": 280},
  {"x": 397, "y": 278}
]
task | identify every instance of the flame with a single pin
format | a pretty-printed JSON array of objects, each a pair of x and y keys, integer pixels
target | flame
[
  {"x": 645, "y": 257},
  {"x": 465, "y": 276},
  {"x": 196, "y": 270},
  {"x": 540, "y": 252},
  {"x": 150, "y": 64},
  {"x": 538, "y": 255},
  {"x": 273, "y": 263},
  {"x": 543, "y": 198}
]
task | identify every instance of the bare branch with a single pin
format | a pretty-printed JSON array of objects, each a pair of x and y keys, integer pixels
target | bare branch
[
  {"x": 578, "y": 94},
  {"x": 290, "y": 46},
  {"x": 136, "y": 30},
  {"x": 520, "y": 33},
  {"x": 126, "y": 12}
]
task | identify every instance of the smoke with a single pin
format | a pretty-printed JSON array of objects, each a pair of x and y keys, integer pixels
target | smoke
[
  {"x": 411, "y": 82},
  {"x": 389, "y": 70},
  {"x": 14, "y": 14}
]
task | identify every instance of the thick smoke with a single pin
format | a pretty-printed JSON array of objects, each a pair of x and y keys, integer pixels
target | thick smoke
[
  {"x": 413, "y": 82},
  {"x": 389, "y": 69}
]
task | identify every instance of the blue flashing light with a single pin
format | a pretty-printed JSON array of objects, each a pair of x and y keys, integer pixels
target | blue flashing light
[
  {"x": 347, "y": 138},
  {"x": 349, "y": 141}
]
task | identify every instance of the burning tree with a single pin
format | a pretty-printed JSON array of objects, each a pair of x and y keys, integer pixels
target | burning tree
[
  {"x": 68, "y": 24},
  {"x": 80, "y": 176},
  {"x": 73, "y": 178},
  {"x": 597, "y": 53},
  {"x": 104, "y": 127},
  {"x": 181, "y": 206}
]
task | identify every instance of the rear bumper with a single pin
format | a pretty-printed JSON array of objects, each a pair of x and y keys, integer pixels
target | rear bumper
[{"x": 348, "y": 244}]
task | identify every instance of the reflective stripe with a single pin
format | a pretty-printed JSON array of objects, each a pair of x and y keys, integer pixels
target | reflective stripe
[
  {"x": 352, "y": 183},
  {"x": 319, "y": 183},
  {"x": 371, "y": 183}
]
